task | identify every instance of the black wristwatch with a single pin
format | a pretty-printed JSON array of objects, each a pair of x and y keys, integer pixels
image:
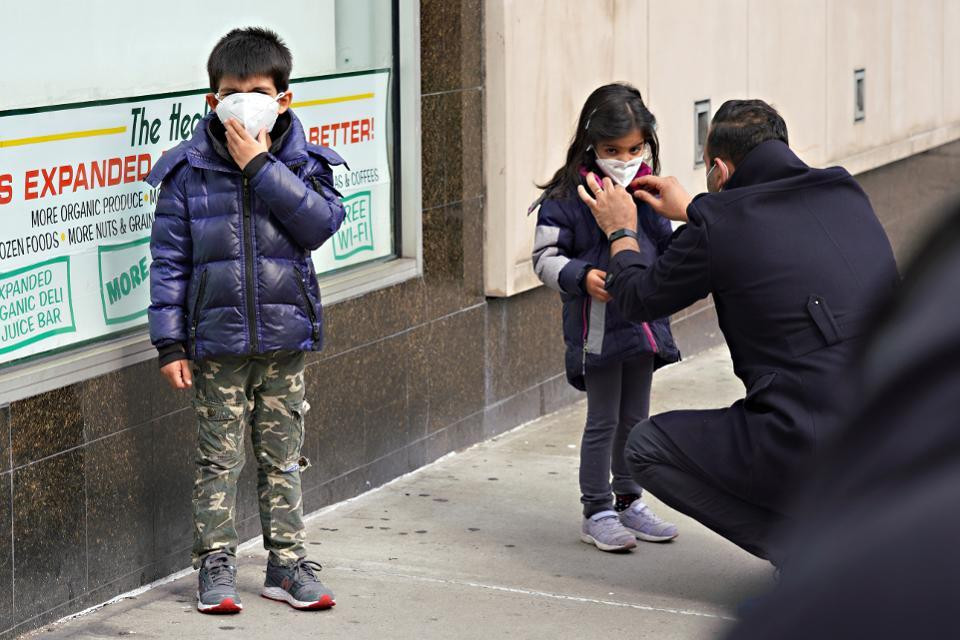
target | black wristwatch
[{"x": 622, "y": 233}]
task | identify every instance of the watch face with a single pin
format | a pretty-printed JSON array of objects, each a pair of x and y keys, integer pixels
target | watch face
[{"x": 608, "y": 281}]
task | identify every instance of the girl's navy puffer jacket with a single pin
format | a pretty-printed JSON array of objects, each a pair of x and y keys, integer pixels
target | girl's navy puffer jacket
[
  {"x": 231, "y": 271},
  {"x": 568, "y": 244}
]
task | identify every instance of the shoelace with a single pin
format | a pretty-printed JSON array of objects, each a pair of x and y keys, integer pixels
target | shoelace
[
  {"x": 649, "y": 515},
  {"x": 307, "y": 569},
  {"x": 219, "y": 571}
]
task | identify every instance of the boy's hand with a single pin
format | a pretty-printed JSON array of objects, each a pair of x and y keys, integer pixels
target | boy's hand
[
  {"x": 178, "y": 374},
  {"x": 595, "y": 281},
  {"x": 242, "y": 147}
]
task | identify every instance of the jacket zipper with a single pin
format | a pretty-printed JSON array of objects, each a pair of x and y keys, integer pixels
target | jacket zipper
[
  {"x": 649, "y": 334},
  {"x": 196, "y": 312},
  {"x": 311, "y": 312},
  {"x": 248, "y": 249},
  {"x": 586, "y": 323}
]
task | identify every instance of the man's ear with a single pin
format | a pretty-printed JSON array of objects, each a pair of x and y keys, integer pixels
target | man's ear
[
  {"x": 724, "y": 170},
  {"x": 285, "y": 101},
  {"x": 212, "y": 101}
]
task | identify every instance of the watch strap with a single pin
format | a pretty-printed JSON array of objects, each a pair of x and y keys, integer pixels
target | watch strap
[{"x": 622, "y": 233}]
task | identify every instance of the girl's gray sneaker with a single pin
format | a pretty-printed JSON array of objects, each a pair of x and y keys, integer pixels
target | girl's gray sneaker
[
  {"x": 217, "y": 588},
  {"x": 297, "y": 585},
  {"x": 644, "y": 523},
  {"x": 605, "y": 531}
]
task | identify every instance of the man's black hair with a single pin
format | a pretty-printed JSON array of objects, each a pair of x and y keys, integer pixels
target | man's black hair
[
  {"x": 253, "y": 51},
  {"x": 740, "y": 125}
]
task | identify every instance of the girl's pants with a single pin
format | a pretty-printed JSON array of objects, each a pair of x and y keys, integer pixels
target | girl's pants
[{"x": 618, "y": 397}]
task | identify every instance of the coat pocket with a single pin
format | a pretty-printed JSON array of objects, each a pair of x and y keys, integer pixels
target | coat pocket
[
  {"x": 308, "y": 307},
  {"x": 756, "y": 392},
  {"x": 197, "y": 307}
]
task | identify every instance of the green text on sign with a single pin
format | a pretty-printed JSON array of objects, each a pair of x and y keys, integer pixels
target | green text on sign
[
  {"x": 35, "y": 303},
  {"x": 124, "y": 280},
  {"x": 356, "y": 233}
]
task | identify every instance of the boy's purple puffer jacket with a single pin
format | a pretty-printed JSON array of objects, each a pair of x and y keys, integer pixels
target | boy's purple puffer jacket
[{"x": 231, "y": 271}]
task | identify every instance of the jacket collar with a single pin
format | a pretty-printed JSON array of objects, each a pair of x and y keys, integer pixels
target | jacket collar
[
  {"x": 207, "y": 148},
  {"x": 768, "y": 161}
]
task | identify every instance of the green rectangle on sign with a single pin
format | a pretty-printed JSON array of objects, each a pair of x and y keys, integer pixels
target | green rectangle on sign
[
  {"x": 124, "y": 280},
  {"x": 356, "y": 233},
  {"x": 35, "y": 303}
]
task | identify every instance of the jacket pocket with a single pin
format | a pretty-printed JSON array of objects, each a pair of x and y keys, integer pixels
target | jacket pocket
[
  {"x": 195, "y": 316},
  {"x": 754, "y": 398},
  {"x": 308, "y": 308}
]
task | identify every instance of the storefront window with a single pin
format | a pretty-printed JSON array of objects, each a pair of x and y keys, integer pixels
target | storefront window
[{"x": 82, "y": 125}]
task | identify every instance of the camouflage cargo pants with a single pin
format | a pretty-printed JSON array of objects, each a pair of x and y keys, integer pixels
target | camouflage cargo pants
[{"x": 265, "y": 390}]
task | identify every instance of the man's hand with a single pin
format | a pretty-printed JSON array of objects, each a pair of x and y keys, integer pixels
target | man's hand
[
  {"x": 594, "y": 283},
  {"x": 178, "y": 374},
  {"x": 611, "y": 205},
  {"x": 666, "y": 196},
  {"x": 242, "y": 147}
]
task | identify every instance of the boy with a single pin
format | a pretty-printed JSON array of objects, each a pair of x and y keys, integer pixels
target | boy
[{"x": 232, "y": 288}]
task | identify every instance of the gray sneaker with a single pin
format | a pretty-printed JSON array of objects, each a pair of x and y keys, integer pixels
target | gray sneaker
[
  {"x": 297, "y": 585},
  {"x": 217, "y": 590},
  {"x": 644, "y": 523},
  {"x": 605, "y": 531}
]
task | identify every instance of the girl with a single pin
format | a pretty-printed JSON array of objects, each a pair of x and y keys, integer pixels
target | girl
[{"x": 609, "y": 357}]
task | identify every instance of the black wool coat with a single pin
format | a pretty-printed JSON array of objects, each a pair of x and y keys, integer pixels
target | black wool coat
[{"x": 794, "y": 257}]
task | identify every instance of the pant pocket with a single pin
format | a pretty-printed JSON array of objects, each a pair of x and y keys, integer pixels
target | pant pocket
[{"x": 220, "y": 431}]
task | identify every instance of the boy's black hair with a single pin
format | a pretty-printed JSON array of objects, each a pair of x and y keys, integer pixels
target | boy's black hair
[
  {"x": 253, "y": 51},
  {"x": 740, "y": 125},
  {"x": 610, "y": 112}
]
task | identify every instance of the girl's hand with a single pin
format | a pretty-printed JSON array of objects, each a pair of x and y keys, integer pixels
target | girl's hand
[{"x": 594, "y": 283}]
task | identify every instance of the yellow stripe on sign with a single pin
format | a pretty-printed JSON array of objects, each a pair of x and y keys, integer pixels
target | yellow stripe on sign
[
  {"x": 70, "y": 135},
  {"x": 314, "y": 103}
]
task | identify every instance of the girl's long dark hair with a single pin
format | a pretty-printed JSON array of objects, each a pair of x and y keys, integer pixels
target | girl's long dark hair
[{"x": 611, "y": 112}]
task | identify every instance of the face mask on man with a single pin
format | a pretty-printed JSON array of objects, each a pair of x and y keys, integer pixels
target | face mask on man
[
  {"x": 619, "y": 171},
  {"x": 254, "y": 110}
]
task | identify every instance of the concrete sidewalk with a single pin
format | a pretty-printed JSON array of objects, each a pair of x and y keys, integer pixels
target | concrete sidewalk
[{"x": 481, "y": 544}]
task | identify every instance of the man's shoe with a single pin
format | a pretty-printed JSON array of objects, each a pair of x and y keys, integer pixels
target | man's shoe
[
  {"x": 297, "y": 585},
  {"x": 217, "y": 591},
  {"x": 644, "y": 523},
  {"x": 605, "y": 532}
]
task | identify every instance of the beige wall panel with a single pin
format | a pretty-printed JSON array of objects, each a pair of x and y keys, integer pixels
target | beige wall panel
[
  {"x": 916, "y": 82},
  {"x": 951, "y": 61},
  {"x": 788, "y": 53},
  {"x": 698, "y": 50},
  {"x": 858, "y": 37}
]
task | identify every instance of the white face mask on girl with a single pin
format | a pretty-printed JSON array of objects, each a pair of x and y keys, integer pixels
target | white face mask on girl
[
  {"x": 254, "y": 110},
  {"x": 619, "y": 171}
]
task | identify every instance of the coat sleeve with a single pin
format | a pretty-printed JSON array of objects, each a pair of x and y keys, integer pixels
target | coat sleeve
[
  {"x": 552, "y": 250},
  {"x": 171, "y": 249},
  {"x": 647, "y": 287},
  {"x": 308, "y": 208}
]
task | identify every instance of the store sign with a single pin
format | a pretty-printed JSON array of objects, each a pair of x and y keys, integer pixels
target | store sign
[{"x": 76, "y": 213}]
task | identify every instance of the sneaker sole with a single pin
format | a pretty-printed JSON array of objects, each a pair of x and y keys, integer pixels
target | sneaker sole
[
  {"x": 227, "y": 605},
  {"x": 282, "y": 595},
  {"x": 587, "y": 538},
  {"x": 646, "y": 537}
]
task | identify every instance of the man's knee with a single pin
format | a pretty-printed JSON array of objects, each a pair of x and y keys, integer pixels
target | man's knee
[{"x": 644, "y": 447}]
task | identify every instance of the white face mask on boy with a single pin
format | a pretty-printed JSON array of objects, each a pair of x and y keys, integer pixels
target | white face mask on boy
[
  {"x": 619, "y": 171},
  {"x": 254, "y": 110}
]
